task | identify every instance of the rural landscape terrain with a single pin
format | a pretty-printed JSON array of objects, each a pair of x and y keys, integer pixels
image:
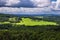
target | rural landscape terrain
[{"x": 43, "y": 27}]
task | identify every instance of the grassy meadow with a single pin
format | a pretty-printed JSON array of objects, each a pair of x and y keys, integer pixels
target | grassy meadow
[{"x": 44, "y": 27}]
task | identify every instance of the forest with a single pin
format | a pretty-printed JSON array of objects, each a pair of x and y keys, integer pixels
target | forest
[{"x": 43, "y": 27}]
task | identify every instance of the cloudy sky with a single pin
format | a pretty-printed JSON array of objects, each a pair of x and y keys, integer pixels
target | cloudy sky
[
  {"x": 24, "y": 3},
  {"x": 18, "y": 6}
]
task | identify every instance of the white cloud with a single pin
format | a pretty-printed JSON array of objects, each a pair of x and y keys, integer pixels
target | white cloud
[
  {"x": 12, "y": 2},
  {"x": 41, "y": 3},
  {"x": 2, "y": 2},
  {"x": 36, "y": 3},
  {"x": 9, "y": 10},
  {"x": 55, "y": 5}
]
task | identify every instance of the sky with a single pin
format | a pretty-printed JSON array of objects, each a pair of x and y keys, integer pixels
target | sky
[
  {"x": 24, "y": 3},
  {"x": 18, "y": 6},
  {"x": 53, "y": 0}
]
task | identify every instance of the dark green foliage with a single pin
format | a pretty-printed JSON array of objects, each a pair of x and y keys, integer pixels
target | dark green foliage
[
  {"x": 29, "y": 35},
  {"x": 22, "y": 32}
]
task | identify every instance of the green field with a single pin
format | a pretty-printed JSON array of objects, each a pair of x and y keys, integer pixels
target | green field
[
  {"x": 26, "y": 21},
  {"x": 29, "y": 27},
  {"x": 30, "y": 22}
]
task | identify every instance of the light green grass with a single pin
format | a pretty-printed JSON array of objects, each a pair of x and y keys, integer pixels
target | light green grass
[
  {"x": 4, "y": 22},
  {"x": 30, "y": 22}
]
